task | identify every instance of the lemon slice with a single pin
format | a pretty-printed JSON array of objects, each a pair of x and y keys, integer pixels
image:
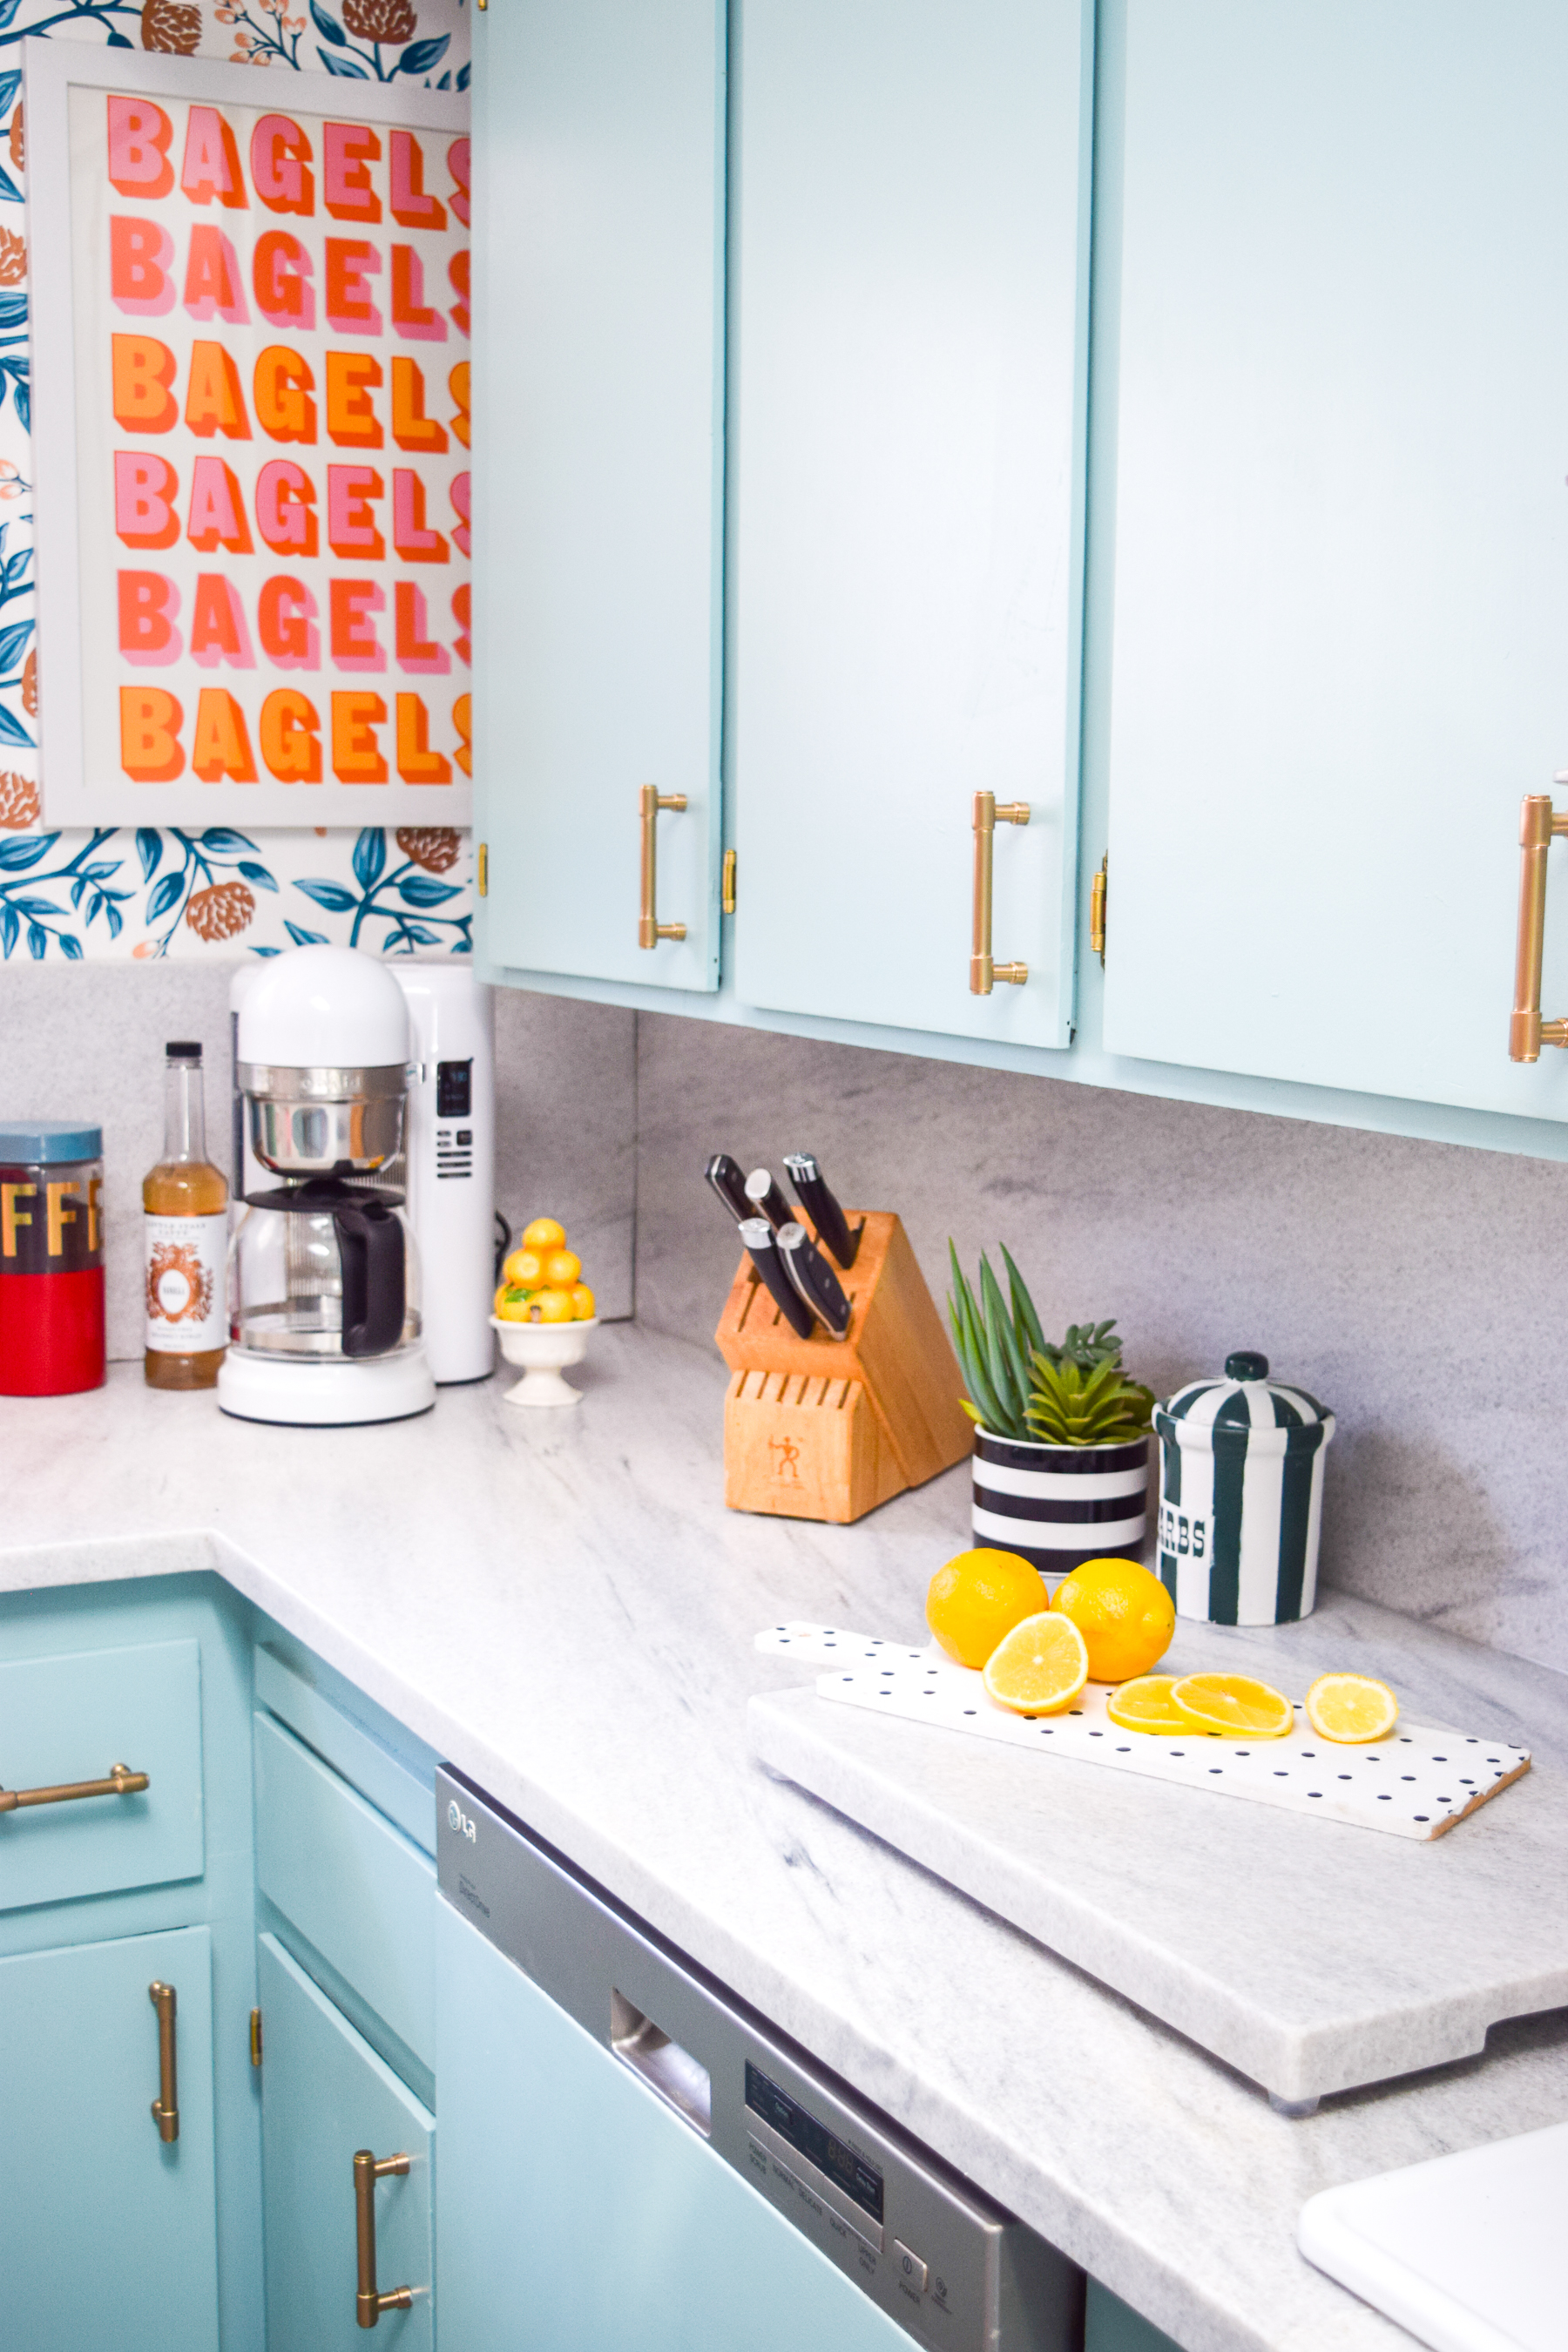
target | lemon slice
[
  {"x": 1234, "y": 1706},
  {"x": 1145, "y": 1705},
  {"x": 1351, "y": 1708},
  {"x": 1040, "y": 1667}
]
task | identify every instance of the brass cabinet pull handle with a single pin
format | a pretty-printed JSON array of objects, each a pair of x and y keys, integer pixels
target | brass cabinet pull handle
[
  {"x": 1527, "y": 1031},
  {"x": 121, "y": 1782},
  {"x": 650, "y": 799},
  {"x": 989, "y": 812},
  {"x": 368, "y": 2305},
  {"x": 167, "y": 2105}
]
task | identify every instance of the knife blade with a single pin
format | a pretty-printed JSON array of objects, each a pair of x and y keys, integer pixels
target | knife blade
[
  {"x": 764, "y": 1199},
  {"x": 813, "y": 1279},
  {"x": 724, "y": 1174},
  {"x": 764, "y": 1252},
  {"x": 821, "y": 1206}
]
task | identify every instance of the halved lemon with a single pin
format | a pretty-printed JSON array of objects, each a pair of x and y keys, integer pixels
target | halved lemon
[
  {"x": 1351, "y": 1708},
  {"x": 1234, "y": 1706},
  {"x": 1145, "y": 1704},
  {"x": 1040, "y": 1667}
]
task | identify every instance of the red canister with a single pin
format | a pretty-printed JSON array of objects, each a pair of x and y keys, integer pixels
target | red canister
[{"x": 51, "y": 1256}]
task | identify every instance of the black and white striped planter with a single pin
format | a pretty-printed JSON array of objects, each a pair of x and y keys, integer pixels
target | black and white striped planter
[
  {"x": 1058, "y": 1505},
  {"x": 1241, "y": 1496}
]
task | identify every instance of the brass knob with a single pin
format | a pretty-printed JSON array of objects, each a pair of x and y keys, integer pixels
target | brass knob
[
  {"x": 368, "y": 2303},
  {"x": 1538, "y": 823}
]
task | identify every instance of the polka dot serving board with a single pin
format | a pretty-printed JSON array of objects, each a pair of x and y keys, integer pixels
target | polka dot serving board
[{"x": 1416, "y": 1784}]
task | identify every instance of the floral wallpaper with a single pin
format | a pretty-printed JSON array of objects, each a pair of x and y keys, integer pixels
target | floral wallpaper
[{"x": 144, "y": 891}]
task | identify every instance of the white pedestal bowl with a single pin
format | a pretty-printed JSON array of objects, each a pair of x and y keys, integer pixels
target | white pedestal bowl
[{"x": 543, "y": 1349}]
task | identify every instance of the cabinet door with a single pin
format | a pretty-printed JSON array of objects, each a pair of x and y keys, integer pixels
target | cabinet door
[
  {"x": 598, "y": 461},
  {"x": 325, "y": 2094},
  {"x": 576, "y": 2212},
  {"x": 108, "y": 2234},
  {"x": 1334, "y": 252},
  {"x": 1112, "y": 2326},
  {"x": 910, "y": 243}
]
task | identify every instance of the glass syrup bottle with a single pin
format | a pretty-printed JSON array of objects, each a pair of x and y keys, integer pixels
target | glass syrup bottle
[{"x": 184, "y": 1200}]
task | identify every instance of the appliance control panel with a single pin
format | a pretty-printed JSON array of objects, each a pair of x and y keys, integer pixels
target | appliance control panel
[{"x": 955, "y": 2272}]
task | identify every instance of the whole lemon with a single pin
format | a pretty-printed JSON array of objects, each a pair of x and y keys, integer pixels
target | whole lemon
[
  {"x": 554, "y": 1305},
  {"x": 583, "y": 1307},
  {"x": 512, "y": 1304},
  {"x": 545, "y": 1234},
  {"x": 977, "y": 1598},
  {"x": 526, "y": 1267},
  {"x": 562, "y": 1268},
  {"x": 1125, "y": 1615}
]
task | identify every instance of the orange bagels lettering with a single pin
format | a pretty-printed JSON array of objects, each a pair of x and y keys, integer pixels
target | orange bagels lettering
[{"x": 274, "y": 533}]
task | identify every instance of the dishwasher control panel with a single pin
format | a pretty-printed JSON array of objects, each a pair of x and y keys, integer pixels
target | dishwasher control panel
[{"x": 955, "y": 2272}]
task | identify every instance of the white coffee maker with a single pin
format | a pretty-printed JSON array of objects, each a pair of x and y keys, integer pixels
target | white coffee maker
[{"x": 325, "y": 1326}]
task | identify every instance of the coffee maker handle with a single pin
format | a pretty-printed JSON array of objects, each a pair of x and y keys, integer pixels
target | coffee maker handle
[{"x": 371, "y": 1247}]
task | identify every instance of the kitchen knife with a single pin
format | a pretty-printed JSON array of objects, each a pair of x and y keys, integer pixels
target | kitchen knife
[
  {"x": 814, "y": 1279},
  {"x": 724, "y": 1174},
  {"x": 764, "y": 1199},
  {"x": 822, "y": 1207},
  {"x": 764, "y": 1255}
]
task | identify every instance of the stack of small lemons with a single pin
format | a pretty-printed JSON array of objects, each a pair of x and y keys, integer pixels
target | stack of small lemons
[
  {"x": 1110, "y": 1620},
  {"x": 542, "y": 1279}
]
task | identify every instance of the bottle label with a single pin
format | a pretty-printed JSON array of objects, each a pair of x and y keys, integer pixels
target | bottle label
[{"x": 187, "y": 1310}]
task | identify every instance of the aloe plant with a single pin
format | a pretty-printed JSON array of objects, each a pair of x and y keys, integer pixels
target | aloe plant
[
  {"x": 1025, "y": 1387},
  {"x": 996, "y": 1345}
]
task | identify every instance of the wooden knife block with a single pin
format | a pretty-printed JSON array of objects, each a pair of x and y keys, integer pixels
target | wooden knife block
[{"x": 827, "y": 1429}]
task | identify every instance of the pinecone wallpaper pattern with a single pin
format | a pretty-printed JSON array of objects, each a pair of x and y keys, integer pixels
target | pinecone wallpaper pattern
[{"x": 150, "y": 891}]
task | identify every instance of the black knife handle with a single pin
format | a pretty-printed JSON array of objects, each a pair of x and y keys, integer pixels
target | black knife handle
[
  {"x": 814, "y": 1279},
  {"x": 761, "y": 1248},
  {"x": 817, "y": 1200},
  {"x": 724, "y": 1174},
  {"x": 763, "y": 1198}
]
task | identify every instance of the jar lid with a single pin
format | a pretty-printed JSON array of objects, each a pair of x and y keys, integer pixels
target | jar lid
[
  {"x": 42, "y": 1143},
  {"x": 1245, "y": 1399}
]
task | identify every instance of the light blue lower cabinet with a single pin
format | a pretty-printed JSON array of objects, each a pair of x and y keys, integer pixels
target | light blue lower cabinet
[
  {"x": 325, "y": 2094},
  {"x": 108, "y": 2234},
  {"x": 1112, "y": 2326},
  {"x": 576, "y": 2212}
]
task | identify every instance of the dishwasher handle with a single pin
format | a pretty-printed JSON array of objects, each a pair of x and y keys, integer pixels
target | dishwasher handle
[{"x": 671, "y": 2072}]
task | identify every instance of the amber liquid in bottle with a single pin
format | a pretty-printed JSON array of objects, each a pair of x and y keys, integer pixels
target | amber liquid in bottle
[{"x": 184, "y": 1183}]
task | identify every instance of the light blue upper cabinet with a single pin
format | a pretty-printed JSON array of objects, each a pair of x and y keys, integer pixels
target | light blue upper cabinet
[
  {"x": 909, "y": 237},
  {"x": 598, "y": 418},
  {"x": 1331, "y": 315}
]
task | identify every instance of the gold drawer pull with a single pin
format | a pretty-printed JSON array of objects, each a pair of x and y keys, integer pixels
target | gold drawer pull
[
  {"x": 651, "y": 930},
  {"x": 989, "y": 812},
  {"x": 167, "y": 2105},
  {"x": 121, "y": 1782},
  {"x": 1527, "y": 1031},
  {"x": 368, "y": 2305}
]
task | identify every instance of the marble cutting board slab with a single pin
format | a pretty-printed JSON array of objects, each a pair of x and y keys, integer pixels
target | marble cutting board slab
[{"x": 1310, "y": 1956}]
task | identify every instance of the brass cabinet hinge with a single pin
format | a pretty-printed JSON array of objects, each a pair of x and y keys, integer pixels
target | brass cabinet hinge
[
  {"x": 727, "y": 884},
  {"x": 484, "y": 869},
  {"x": 1096, "y": 910},
  {"x": 255, "y": 2037}
]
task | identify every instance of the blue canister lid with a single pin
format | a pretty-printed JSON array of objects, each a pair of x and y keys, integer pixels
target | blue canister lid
[{"x": 44, "y": 1142}]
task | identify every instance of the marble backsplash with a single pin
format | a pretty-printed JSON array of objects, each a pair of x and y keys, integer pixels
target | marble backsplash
[{"x": 1412, "y": 1287}]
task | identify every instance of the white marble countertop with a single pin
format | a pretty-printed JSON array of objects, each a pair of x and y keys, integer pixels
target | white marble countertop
[{"x": 561, "y": 1604}]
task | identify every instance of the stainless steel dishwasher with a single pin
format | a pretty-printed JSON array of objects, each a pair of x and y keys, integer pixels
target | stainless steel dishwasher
[{"x": 631, "y": 2160}]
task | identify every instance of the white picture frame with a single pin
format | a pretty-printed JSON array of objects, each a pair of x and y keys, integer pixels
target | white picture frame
[{"x": 83, "y": 614}]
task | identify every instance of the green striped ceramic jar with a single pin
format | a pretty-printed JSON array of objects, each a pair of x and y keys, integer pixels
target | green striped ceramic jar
[{"x": 1241, "y": 1496}]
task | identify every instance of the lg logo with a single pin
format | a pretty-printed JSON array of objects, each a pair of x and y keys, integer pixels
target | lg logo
[{"x": 457, "y": 1820}]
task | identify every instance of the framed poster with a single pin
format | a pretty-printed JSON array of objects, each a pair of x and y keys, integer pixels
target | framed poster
[{"x": 250, "y": 367}]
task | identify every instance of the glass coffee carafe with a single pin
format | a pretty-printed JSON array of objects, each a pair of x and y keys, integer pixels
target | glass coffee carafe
[{"x": 324, "y": 1270}]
